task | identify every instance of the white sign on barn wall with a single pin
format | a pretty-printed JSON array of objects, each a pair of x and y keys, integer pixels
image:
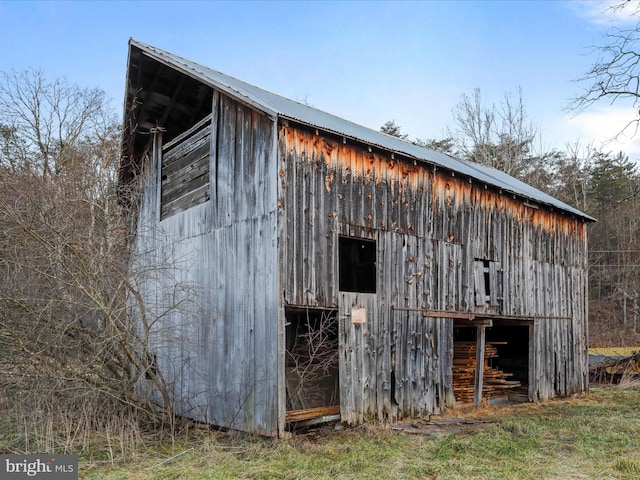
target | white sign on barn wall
[{"x": 359, "y": 315}]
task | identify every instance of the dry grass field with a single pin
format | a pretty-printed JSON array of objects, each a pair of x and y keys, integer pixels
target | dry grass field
[{"x": 596, "y": 436}]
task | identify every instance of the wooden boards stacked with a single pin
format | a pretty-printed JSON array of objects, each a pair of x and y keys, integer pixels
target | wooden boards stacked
[
  {"x": 309, "y": 413},
  {"x": 495, "y": 382}
]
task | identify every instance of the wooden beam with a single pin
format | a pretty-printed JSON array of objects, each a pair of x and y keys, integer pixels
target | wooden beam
[
  {"x": 448, "y": 314},
  {"x": 172, "y": 102},
  {"x": 532, "y": 380},
  {"x": 474, "y": 316},
  {"x": 459, "y": 322},
  {"x": 480, "y": 342},
  {"x": 309, "y": 413},
  {"x": 188, "y": 132}
]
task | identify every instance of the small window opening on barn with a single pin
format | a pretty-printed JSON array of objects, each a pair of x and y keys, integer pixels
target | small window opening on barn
[
  {"x": 487, "y": 280},
  {"x": 312, "y": 371},
  {"x": 357, "y": 270},
  {"x": 488, "y": 283},
  {"x": 184, "y": 170},
  {"x": 506, "y": 361}
]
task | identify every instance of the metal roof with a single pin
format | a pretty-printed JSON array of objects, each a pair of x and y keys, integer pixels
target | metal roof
[{"x": 279, "y": 106}]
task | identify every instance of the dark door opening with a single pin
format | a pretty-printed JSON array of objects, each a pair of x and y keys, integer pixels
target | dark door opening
[
  {"x": 512, "y": 343},
  {"x": 311, "y": 365},
  {"x": 506, "y": 361}
]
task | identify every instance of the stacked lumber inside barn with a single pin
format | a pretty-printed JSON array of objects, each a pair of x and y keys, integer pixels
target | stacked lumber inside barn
[{"x": 495, "y": 383}]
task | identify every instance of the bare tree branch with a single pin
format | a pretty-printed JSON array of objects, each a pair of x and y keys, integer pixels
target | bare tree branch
[{"x": 615, "y": 75}]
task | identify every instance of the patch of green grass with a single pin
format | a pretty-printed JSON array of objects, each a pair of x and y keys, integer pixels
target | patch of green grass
[
  {"x": 627, "y": 466},
  {"x": 596, "y": 436}
]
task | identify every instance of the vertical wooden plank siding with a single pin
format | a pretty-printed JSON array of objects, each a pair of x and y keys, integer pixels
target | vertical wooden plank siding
[
  {"x": 214, "y": 286},
  {"x": 356, "y": 357},
  {"x": 430, "y": 227},
  {"x": 279, "y": 198}
]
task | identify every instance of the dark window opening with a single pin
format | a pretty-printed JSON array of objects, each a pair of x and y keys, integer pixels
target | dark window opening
[
  {"x": 312, "y": 370},
  {"x": 487, "y": 280},
  {"x": 151, "y": 367},
  {"x": 357, "y": 270}
]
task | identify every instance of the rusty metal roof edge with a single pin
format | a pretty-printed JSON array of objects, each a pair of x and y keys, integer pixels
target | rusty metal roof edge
[
  {"x": 276, "y": 105},
  {"x": 480, "y": 173}
]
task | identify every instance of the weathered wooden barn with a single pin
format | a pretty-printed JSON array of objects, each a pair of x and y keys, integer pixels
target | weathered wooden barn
[{"x": 295, "y": 263}]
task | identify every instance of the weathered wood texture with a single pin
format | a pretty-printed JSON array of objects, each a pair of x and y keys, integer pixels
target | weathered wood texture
[
  {"x": 224, "y": 270},
  {"x": 185, "y": 171},
  {"x": 431, "y": 228},
  {"x": 211, "y": 279},
  {"x": 357, "y": 356}
]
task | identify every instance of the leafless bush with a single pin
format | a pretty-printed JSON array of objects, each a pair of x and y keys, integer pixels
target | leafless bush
[
  {"x": 313, "y": 362},
  {"x": 67, "y": 347},
  {"x": 70, "y": 355},
  {"x": 629, "y": 380}
]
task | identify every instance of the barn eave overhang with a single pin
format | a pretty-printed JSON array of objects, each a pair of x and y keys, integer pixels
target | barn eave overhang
[{"x": 227, "y": 89}]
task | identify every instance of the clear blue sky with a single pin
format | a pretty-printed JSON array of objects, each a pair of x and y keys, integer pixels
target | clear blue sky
[{"x": 366, "y": 61}]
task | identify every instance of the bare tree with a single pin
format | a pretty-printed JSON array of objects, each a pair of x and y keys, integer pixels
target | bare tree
[
  {"x": 47, "y": 118},
  {"x": 312, "y": 362},
  {"x": 68, "y": 346},
  {"x": 498, "y": 136},
  {"x": 570, "y": 181},
  {"x": 615, "y": 75},
  {"x": 614, "y": 198}
]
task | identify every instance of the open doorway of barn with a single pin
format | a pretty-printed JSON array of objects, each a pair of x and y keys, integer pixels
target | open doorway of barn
[
  {"x": 507, "y": 347},
  {"x": 513, "y": 347},
  {"x": 311, "y": 364}
]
